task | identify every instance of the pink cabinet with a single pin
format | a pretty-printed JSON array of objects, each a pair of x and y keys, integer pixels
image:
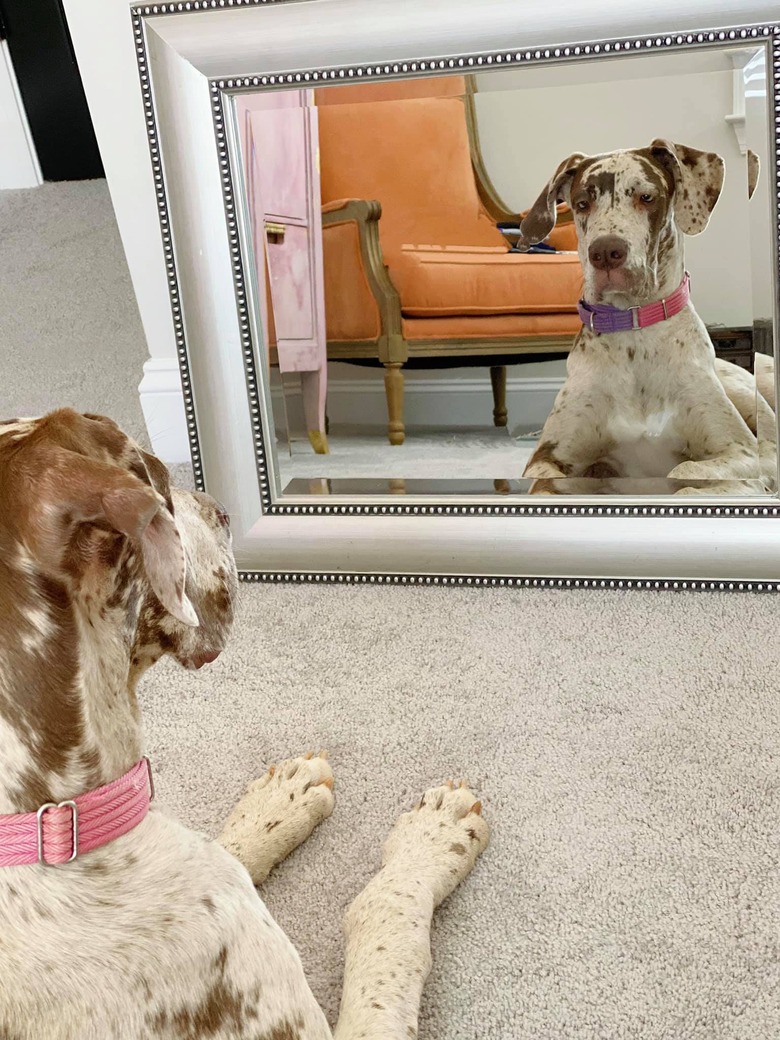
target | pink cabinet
[{"x": 280, "y": 150}]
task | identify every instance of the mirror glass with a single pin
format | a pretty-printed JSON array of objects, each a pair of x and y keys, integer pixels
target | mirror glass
[{"x": 550, "y": 280}]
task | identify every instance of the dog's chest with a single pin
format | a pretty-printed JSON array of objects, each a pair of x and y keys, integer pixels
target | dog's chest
[
  {"x": 646, "y": 444},
  {"x": 644, "y": 422}
]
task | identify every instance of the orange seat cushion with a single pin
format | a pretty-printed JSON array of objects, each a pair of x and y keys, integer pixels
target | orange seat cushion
[
  {"x": 434, "y": 281},
  {"x": 491, "y": 326}
]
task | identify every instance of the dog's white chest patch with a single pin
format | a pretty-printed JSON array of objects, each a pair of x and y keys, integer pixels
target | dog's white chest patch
[{"x": 646, "y": 446}]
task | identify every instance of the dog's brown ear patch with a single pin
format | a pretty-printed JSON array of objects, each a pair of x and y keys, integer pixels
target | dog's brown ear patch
[
  {"x": 540, "y": 218},
  {"x": 79, "y": 471},
  {"x": 698, "y": 181},
  {"x": 139, "y": 513}
]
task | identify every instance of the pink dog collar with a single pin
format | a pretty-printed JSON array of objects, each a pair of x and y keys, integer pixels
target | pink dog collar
[
  {"x": 60, "y": 831},
  {"x": 601, "y": 317}
]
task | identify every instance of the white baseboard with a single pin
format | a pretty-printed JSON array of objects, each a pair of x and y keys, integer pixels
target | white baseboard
[
  {"x": 162, "y": 402},
  {"x": 449, "y": 401}
]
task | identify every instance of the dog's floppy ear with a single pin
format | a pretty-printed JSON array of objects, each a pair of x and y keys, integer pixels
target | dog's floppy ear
[
  {"x": 698, "y": 180},
  {"x": 86, "y": 490},
  {"x": 540, "y": 218}
]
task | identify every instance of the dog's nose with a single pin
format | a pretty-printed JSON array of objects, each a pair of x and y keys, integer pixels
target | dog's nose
[
  {"x": 608, "y": 252},
  {"x": 207, "y": 657}
]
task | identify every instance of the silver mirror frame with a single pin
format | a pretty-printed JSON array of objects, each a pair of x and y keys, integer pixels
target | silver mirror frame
[{"x": 193, "y": 57}]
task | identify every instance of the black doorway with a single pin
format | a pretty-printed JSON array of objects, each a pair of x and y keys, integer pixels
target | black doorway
[{"x": 50, "y": 84}]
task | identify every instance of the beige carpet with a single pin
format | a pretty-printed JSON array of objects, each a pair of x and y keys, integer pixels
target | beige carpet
[
  {"x": 627, "y": 746},
  {"x": 70, "y": 333}
]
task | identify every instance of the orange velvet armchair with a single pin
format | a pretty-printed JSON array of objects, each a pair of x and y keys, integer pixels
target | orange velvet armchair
[{"x": 414, "y": 264}]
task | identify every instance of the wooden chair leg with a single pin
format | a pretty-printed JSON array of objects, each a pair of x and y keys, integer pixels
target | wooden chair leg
[
  {"x": 498, "y": 379},
  {"x": 394, "y": 389},
  {"x": 314, "y": 386}
]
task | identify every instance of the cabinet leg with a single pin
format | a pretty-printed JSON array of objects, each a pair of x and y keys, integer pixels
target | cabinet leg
[
  {"x": 394, "y": 389},
  {"x": 498, "y": 379},
  {"x": 315, "y": 388}
]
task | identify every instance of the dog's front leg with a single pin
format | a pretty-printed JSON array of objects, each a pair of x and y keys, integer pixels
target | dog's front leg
[
  {"x": 743, "y": 392},
  {"x": 428, "y": 853},
  {"x": 572, "y": 442},
  {"x": 278, "y": 813},
  {"x": 720, "y": 444}
]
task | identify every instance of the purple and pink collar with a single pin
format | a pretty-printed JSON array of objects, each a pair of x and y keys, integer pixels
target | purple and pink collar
[{"x": 602, "y": 318}]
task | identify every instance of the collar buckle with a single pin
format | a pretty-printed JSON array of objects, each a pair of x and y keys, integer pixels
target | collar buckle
[
  {"x": 634, "y": 317},
  {"x": 74, "y": 809},
  {"x": 145, "y": 758}
]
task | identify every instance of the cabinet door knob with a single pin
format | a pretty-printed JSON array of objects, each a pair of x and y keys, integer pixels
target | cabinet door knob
[{"x": 274, "y": 231}]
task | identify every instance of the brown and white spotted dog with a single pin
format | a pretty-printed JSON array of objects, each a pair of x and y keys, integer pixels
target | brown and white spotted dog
[
  {"x": 160, "y": 934},
  {"x": 648, "y": 409}
]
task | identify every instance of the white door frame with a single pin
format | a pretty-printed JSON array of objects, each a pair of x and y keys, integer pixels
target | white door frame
[{"x": 19, "y": 166}]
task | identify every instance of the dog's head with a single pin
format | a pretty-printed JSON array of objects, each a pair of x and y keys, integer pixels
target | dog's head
[
  {"x": 631, "y": 209},
  {"x": 104, "y": 567}
]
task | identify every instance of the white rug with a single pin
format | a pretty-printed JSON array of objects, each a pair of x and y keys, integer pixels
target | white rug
[{"x": 471, "y": 453}]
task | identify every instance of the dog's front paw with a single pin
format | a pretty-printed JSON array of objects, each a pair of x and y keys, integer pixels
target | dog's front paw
[
  {"x": 438, "y": 842},
  {"x": 278, "y": 812},
  {"x": 686, "y": 471},
  {"x": 544, "y": 487}
]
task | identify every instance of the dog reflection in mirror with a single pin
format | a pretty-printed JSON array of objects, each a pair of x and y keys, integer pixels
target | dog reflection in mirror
[
  {"x": 116, "y": 922},
  {"x": 646, "y": 406}
]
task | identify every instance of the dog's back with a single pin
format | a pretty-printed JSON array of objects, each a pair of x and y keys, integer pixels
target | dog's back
[{"x": 103, "y": 568}]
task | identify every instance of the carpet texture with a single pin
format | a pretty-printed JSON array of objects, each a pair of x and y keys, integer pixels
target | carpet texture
[
  {"x": 626, "y": 745},
  {"x": 70, "y": 332},
  {"x": 627, "y": 749}
]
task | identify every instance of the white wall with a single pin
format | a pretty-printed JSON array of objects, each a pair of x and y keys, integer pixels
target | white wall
[
  {"x": 526, "y": 131},
  {"x": 103, "y": 40}
]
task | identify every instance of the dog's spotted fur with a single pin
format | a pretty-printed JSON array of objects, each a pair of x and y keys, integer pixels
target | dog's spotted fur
[
  {"x": 648, "y": 410},
  {"x": 160, "y": 935}
]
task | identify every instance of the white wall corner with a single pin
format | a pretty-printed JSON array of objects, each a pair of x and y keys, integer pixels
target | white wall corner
[
  {"x": 162, "y": 401},
  {"x": 740, "y": 59}
]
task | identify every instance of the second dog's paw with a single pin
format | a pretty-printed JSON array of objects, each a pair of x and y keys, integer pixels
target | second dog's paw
[{"x": 278, "y": 812}]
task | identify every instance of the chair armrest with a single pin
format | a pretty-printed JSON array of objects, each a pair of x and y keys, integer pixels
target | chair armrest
[
  {"x": 350, "y": 209},
  {"x": 365, "y": 214}
]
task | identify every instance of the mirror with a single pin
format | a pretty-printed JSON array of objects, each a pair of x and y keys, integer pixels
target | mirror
[{"x": 508, "y": 284}]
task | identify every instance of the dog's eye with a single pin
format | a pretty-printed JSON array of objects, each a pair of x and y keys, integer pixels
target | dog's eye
[
  {"x": 646, "y": 198},
  {"x": 582, "y": 206}
]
